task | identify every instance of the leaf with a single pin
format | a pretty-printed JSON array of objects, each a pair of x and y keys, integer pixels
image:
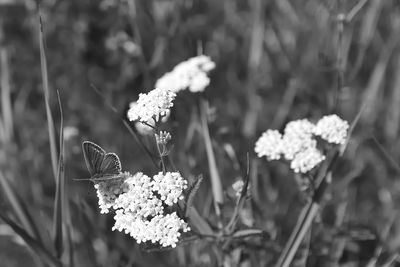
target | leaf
[
  {"x": 45, "y": 80},
  {"x": 199, "y": 223},
  {"x": 36, "y": 246},
  {"x": 214, "y": 175},
  {"x": 192, "y": 192}
]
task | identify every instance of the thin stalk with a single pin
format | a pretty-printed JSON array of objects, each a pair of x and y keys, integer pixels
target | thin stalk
[
  {"x": 214, "y": 175},
  {"x": 161, "y": 154},
  {"x": 59, "y": 200},
  {"x": 45, "y": 80},
  {"x": 339, "y": 60},
  {"x": 310, "y": 211},
  {"x": 356, "y": 9},
  {"x": 5, "y": 95},
  {"x": 132, "y": 11}
]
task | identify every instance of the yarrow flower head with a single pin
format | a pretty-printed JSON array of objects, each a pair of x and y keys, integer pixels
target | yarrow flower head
[
  {"x": 108, "y": 191},
  {"x": 269, "y": 145},
  {"x": 148, "y": 127},
  {"x": 163, "y": 138},
  {"x": 306, "y": 160},
  {"x": 139, "y": 198},
  {"x": 190, "y": 74},
  {"x": 302, "y": 128},
  {"x": 332, "y": 129},
  {"x": 139, "y": 201},
  {"x": 298, "y": 143},
  {"x": 297, "y": 137},
  {"x": 238, "y": 187},
  {"x": 162, "y": 229},
  {"x": 151, "y": 107},
  {"x": 170, "y": 186},
  {"x": 166, "y": 229}
]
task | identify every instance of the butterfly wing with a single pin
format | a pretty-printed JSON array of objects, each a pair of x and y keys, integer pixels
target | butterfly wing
[
  {"x": 94, "y": 157},
  {"x": 111, "y": 165}
]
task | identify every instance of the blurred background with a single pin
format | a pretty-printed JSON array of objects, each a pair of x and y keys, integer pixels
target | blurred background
[{"x": 276, "y": 61}]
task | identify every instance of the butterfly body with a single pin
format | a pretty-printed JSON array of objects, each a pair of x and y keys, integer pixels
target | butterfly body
[{"x": 101, "y": 165}]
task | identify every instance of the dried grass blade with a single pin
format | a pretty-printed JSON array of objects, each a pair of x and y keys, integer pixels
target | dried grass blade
[
  {"x": 214, "y": 175},
  {"x": 5, "y": 95},
  {"x": 50, "y": 122}
]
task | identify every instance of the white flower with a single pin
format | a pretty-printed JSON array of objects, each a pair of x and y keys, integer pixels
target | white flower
[
  {"x": 332, "y": 129},
  {"x": 163, "y": 138},
  {"x": 190, "y": 74},
  {"x": 199, "y": 82},
  {"x": 138, "y": 202},
  {"x": 166, "y": 229},
  {"x": 152, "y": 106},
  {"x": 297, "y": 137},
  {"x": 269, "y": 145},
  {"x": 170, "y": 187},
  {"x": 132, "y": 225},
  {"x": 293, "y": 144},
  {"x": 301, "y": 128},
  {"x": 238, "y": 187},
  {"x": 107, "y": 193},
  {"x": 144, "y": 129},
  {"x": 138, "y": 198},
  {"x": 162, "y": 229},
  {"x": 306, "y": 160}
]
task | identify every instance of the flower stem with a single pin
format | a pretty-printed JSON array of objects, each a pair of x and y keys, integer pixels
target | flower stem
[
  {"x": 161, "y": 154},
  {"x": 307, "y": 215},
  {"x": 216, "y": 184}
]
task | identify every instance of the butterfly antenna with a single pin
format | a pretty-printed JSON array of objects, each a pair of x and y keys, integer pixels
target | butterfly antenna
[{"x": 82, "y": 179}]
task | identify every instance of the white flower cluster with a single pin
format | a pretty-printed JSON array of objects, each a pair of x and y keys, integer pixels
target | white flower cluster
[
  {"x": 238, "y": 187},
  {"x": 138, "y": 202},
  {"x": 146, "y": 129},
  {"x": 107, "y": 192},
  {"x": 190, "y": 74},
  {"x": 163, "y": 138},
  {"x": 298, "y": 143},
  {"x": 269, "y": 145},
  {"x": 152, "y": 106},
  {"x": 297, "y": 137},
  {"x": 306, "y": 160},
  {"x": 332, "y": 129},
  {"x": 139, "y": 199},
  {"x": 162, "y": 229},
  {"x": 170, "y": 186}
]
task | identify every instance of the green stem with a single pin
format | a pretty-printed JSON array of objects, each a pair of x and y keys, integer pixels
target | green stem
[{"x": 216, "y": 184}]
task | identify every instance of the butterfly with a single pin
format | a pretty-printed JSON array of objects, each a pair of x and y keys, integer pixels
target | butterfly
[{"x": 101, "y": 165}]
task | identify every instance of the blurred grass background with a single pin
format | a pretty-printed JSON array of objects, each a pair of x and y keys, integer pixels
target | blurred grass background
[{"x": 276, "y": 61}]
